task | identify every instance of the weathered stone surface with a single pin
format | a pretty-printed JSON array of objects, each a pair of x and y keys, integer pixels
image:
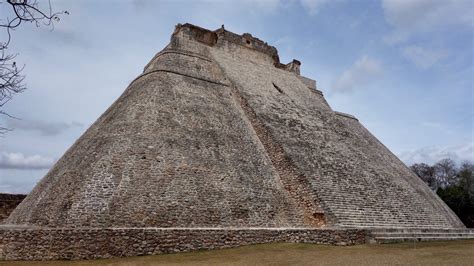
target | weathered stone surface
[
  {"x": 217, "y": 133},
  {"x": 356, "y": 180},
  {"x": 60, "y": 244}
]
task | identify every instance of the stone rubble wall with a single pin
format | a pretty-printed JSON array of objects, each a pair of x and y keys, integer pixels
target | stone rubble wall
[{"x": 73, "y": 244}]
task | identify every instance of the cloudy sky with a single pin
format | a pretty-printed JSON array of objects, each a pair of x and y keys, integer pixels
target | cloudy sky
[{"x": 404, "y": 68}]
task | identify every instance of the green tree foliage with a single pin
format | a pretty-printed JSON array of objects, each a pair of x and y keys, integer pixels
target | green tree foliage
[{"x": 455, "y": 186}]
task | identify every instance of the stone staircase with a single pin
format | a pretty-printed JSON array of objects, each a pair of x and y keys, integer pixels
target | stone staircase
[
  {"x": 397, "y": 235},
  {"x": 383, "y": 213}
]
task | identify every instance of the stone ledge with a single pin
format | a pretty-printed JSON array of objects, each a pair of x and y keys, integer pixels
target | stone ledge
[
  {"x": 94, "y": 243},
  {"x": 176, "y": 51},
  {"x": 164, "y": 70},
  {"x": 346, "y": 115}
]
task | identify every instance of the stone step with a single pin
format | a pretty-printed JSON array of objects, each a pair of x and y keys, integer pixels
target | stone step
[
  {"x": 421, "y": 230},
  {"x": 390, "y": 223},
  {"x": 381, "y": 217},
  {"x": 377, "y": 213},
  {"x": 362, "y": 217},
  {"x": 423, "y": 235},
  {"x": 388, "y": 240},
  {"x": 354, "y": 209},
  {"x": 375, "y": 210},
  {"x": 386, "y": 225},
  {"x": 413, "y": 234},
  {"x": 379, "y": 220}
]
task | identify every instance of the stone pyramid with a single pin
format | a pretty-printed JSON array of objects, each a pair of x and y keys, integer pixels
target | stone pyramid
[{"x": 217, "y": 133}]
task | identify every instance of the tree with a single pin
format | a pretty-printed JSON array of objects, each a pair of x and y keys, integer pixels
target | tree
[
  {"x": 446, "y": 172},
  {"x": 455, "y": 186},
  {"x": 466, "y": 182},
  {"x": 466, "y": 178},
  {"x": 22, "y": 11},
  {"x": 426, "y": 173},
  {"x": 460, "y": 197}
]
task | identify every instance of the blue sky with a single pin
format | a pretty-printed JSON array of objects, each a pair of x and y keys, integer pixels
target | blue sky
[{"x": 404, "y": 68}]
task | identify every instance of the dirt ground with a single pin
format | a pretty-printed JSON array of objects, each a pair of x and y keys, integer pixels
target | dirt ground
[{"x": 424, "y": 253}]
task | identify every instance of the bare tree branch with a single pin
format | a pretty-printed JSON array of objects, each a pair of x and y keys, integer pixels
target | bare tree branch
[{"x": 11, "y": 79}]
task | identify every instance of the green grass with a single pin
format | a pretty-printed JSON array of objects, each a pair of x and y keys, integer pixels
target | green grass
[{"x": 424, "y": 253}]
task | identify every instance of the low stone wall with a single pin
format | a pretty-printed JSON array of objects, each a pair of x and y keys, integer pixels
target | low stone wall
[{"x": 86, "y": 243}]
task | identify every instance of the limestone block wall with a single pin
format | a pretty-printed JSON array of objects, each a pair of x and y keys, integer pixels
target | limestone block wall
[{"x": 60, "y": 244}]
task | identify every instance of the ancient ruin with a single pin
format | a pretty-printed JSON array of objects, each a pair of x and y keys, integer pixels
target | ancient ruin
[{"x": 219, "y": 144}]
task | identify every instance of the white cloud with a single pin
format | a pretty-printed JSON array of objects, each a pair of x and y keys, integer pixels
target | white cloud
[
  {"x": 433, "y": 154},
  {"x": 408, "y": 17},
  {"x": 313, "y": 6},
  {"x": 421, "y": 57},
  {"x": 42, "y": 127},
  {"x": 20, "y": 161},
  {"x": 362, "y": 72}
]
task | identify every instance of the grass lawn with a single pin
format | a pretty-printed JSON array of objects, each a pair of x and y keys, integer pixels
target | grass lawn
[{"x": 425, "y": 253}]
